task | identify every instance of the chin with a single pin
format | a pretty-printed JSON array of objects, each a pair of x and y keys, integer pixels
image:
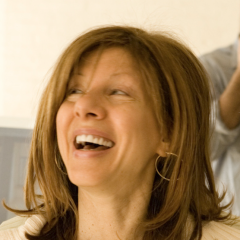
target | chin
[{"x": 83, "y": 179}]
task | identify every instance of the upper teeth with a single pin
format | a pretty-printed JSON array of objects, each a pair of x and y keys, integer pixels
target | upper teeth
[{"x": 93, "y": 139}]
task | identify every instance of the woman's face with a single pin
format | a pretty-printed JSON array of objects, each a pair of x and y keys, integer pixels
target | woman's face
[{"x": 106, "y": 128}]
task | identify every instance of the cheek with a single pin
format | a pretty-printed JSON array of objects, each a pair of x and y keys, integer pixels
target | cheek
[
  {"x": 147, "y": 127},
  {"x": 62, "y": 123},
  {"x": 137, "y": 121},
  {"x": 64, "y": 116}
]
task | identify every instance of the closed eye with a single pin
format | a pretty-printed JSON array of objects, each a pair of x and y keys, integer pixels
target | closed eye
[
  {"x": 73, "y": 94},
  {"x": 74, "y": 91},
  {"x": 118, "y": 92}
]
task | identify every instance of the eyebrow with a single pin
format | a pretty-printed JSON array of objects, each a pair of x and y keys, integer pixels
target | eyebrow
[{"x": 112, "y": 75}]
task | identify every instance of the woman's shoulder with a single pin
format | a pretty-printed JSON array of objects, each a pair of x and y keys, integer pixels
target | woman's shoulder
[
  {"x": 16, "y": 227},
  {"x": 229, "y": 229}
]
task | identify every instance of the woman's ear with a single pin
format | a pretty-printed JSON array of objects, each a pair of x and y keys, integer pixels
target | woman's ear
[{"x": 163, "y": 147}]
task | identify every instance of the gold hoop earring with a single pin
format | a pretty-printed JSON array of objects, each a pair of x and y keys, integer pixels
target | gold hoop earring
[
  {"x": 57, "y": 164},
  {"x": 156, "y": 165}
]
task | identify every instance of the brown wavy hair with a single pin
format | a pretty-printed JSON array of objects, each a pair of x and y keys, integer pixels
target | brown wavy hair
[{"x": 181, "y": 97}]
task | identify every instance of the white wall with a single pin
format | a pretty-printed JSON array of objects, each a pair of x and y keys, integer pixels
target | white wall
[{"x": 34, "y": 33}]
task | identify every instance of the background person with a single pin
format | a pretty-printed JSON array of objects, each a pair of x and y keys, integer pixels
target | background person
[
  {"x": 118, "y": 150},
  {"x": 223, "y": 68}
]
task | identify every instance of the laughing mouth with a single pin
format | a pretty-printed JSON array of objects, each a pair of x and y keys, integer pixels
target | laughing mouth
[{"x": 91, "y": 142}]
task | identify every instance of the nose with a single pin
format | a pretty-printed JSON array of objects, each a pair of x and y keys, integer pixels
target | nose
[{"x": 89, "y": 106}]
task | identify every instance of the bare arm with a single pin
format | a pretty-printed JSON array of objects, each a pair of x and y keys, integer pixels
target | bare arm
[{"x": 230, "y": 99}]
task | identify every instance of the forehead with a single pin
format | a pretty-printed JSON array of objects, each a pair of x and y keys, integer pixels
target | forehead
[
  {"x": 114, "y": 57},
  {"x": 114, "y": 62}
]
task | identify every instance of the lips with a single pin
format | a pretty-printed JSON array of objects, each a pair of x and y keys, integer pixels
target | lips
[{"x": 86, "y": 142}]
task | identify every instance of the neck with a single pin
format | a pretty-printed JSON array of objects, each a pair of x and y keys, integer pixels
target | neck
[{"x": 114, "y": 214}]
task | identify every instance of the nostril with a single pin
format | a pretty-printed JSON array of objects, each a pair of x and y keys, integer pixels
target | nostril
[
  {"x": 89, "y": 110},
  {"x": 92, "y": 114},
  {"x": 77, "y": 113}
]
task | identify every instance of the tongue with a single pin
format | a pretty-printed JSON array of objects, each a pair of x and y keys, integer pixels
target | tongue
[
  {"x": 87, "y": 147},
  {"x": 91, "y": 147}
]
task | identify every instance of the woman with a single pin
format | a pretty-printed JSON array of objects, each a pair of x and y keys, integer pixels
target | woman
[{"x": 120, "y": 149}]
